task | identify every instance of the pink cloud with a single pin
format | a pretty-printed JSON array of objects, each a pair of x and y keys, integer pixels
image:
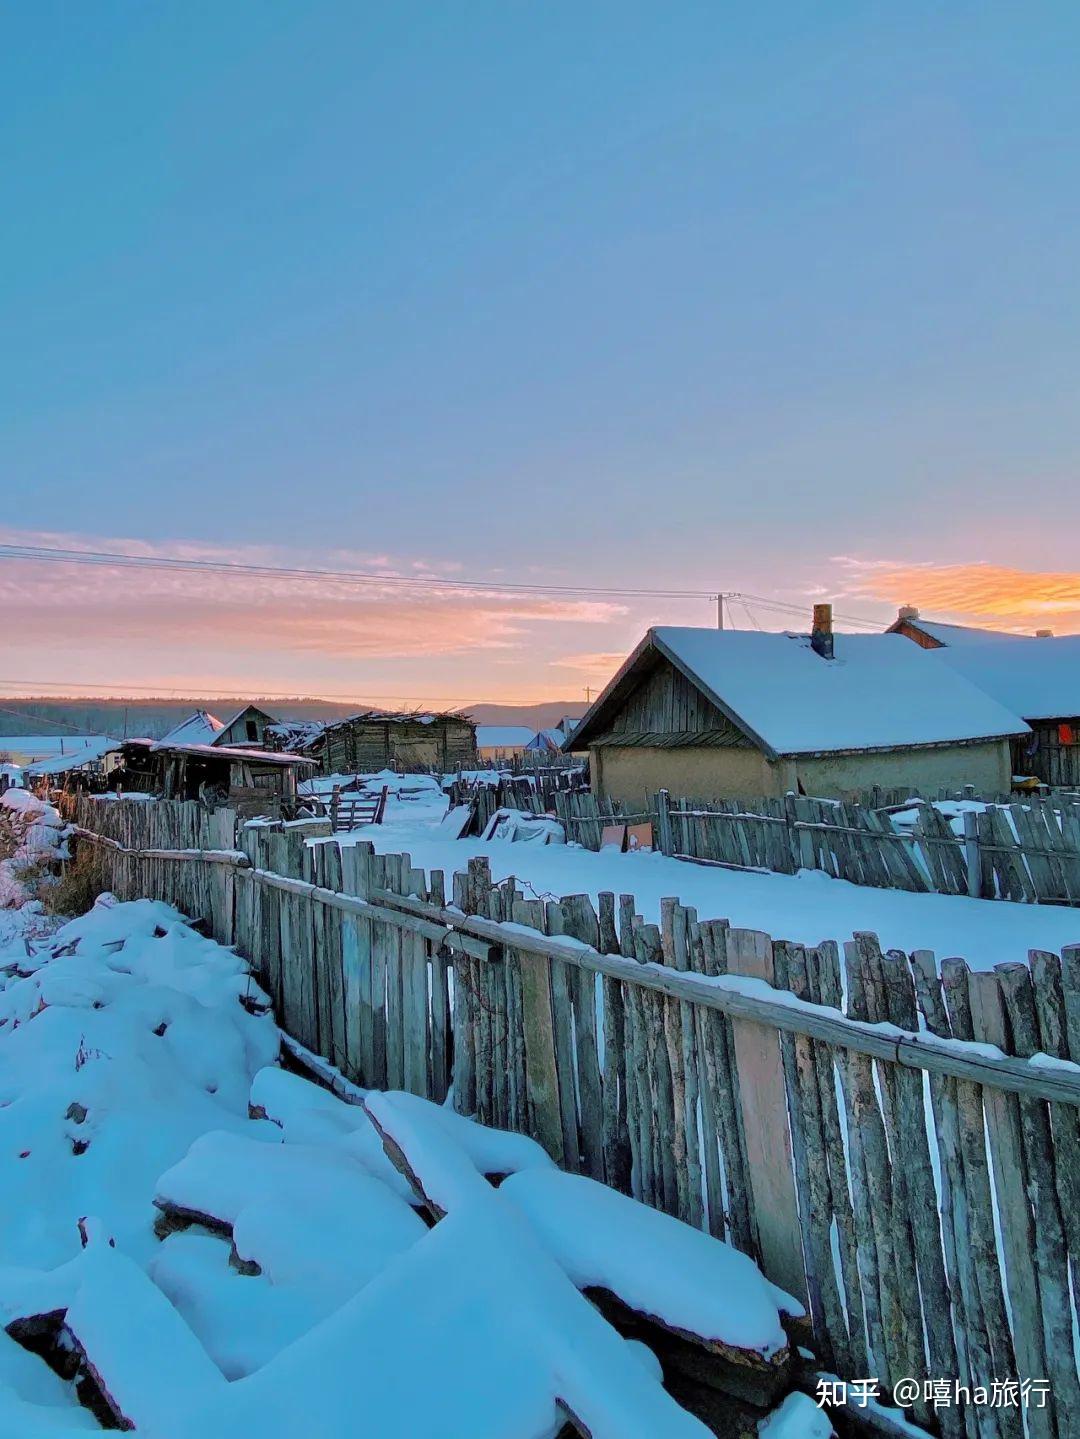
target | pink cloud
[{"x": 46, "y": 604}]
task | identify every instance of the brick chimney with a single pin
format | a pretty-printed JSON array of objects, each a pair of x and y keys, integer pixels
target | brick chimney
[
  {"x": 907, "y": 612},
  {"x": 821, "y": 635},
  {"x": 1044, "y": 634}
]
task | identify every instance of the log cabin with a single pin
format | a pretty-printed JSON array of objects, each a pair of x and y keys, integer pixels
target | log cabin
[
  {"x": 724, "y": 714},
  {"x": 375, "y": 740}
]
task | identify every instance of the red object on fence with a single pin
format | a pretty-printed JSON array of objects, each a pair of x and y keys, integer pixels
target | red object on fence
[{"x": 1065, "y": 734}]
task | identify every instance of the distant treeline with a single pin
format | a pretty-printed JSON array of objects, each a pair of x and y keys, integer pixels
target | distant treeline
[{"x": 152, "y": 718}]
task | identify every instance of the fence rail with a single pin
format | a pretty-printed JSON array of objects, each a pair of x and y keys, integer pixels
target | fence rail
[
  {"x": 1027, "y": 851},
  {"x": 872, "y": 1126}
]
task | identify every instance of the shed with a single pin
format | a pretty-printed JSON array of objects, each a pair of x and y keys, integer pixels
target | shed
[
  {"x": 1037, "y": 676},
  {"x": 717, "y": 714},
  {"x": 247, "y": 727},
  {"x": 381, "y": 739},
  {"x": 251, "y": 781}
]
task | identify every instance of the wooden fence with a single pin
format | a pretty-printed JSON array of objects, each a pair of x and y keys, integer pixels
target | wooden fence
[
  {"x": 1028, "y": 850},
  {"x": 839, "y": 1116}
]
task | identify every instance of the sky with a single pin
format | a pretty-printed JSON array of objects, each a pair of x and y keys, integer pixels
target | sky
[{"x": 780, "y": 300}]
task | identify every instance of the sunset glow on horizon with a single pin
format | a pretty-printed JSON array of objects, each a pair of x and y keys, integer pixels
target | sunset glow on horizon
[{"x": 772, "y": 301}]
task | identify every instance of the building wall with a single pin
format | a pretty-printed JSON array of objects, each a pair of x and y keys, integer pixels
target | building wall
[
  {"x": 985, "y": 765},
  {"x": 236, "y": 733},
  {"x": 630, "y": 773}
]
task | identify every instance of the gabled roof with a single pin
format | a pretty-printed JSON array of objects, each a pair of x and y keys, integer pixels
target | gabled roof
[
  {"x": 198, "y": 728},
  {"x": 878, "y": 692},
  {"x": 968, "y": 636},
  {"x": 240, "y": 713},
  {"x": 1037, "y": 678},
  {"x": 503, "y": 736}
]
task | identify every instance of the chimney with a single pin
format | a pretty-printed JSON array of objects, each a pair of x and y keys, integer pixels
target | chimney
[
  {"x": 1044, "y": 634},
  {"x": 821, "y": 636},
  {"x": 907, "y": 612}
]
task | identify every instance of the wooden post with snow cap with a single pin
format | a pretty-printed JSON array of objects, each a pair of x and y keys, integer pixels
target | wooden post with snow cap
[{"x": 774, "y": 1208}]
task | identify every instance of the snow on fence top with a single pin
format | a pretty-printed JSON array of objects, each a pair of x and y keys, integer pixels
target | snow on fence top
[{"x": 879, "y": 691}]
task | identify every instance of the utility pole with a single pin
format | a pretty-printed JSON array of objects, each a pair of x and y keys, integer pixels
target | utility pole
[
  {"x": 588, "y": 694},
  {"x": 719, "y": 612}
]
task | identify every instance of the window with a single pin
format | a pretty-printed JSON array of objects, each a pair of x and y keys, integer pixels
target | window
[{"x": 252, "y": 729}]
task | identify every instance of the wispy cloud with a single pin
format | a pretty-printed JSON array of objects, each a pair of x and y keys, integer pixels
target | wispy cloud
[
  {"x": 996, "y": 595},
  {"x": 600, "y": 666},
  {"x": 45, "y": 604}
]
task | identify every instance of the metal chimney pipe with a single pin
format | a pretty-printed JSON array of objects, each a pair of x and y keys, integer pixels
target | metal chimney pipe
[{"x": 821, "y": 635}]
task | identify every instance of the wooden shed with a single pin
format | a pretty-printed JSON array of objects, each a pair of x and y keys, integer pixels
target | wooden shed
[
  {"x": 251, "y": 781},
  {"x": 1037, "y": 676},
  {"x": 719, "y": 714},
  {"x": 379, "y": 739}
]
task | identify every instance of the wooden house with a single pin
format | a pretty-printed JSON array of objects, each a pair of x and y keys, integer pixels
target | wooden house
[
  {"x": 382, "y": 739},
  {"x": 718, "y": 714},
  {"x": 247, "y": 727},
  {"x": 1037, "y": 676}
]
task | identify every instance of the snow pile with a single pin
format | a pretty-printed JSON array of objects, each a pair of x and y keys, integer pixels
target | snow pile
[
  {"x": 216, "y": 1247},
  {"x": 31, "y": 834}
]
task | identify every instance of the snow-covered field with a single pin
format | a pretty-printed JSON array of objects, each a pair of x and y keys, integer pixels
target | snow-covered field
[
  {"x": 291, "y": 1286},
  {"x": 808, "y": 907}
]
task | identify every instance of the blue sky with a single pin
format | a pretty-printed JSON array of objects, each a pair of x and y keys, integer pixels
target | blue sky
[{"x": 777, "y": 298}]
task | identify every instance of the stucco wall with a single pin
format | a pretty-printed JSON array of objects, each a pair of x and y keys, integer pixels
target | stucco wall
[
  {"x": 631, "y": 773},
  {"x": 986, "y": 766}
]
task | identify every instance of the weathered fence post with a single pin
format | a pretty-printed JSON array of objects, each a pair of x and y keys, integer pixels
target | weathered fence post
[
  {"x": 763, "y": 1095},
  {"x": 972, "y": 858},
  {"x": 663, "y": 822}
]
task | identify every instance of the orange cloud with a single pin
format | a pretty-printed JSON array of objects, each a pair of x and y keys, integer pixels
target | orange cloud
[
  {"x": 600, "y": 666},
  {"x": 995, "y": 595}
]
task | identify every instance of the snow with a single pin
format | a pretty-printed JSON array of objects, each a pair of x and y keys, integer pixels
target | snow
[
  {"x": 806, "y": 908},
  {"x": 27, "y": 749},
  {"x": 199, "y": 728},
  {"x": 798, "y": 1417},
  {"x": 95, "y": 748},
  {"x": 504, "y": 1337},
  {"x": 38, "y": 833},
  {"x": 654, "y": 1263},
  {"x": 878, "y": 690},
  {"x": 1036, "y": 678},
  {"x": 130, "y": 1068},
  {"x": 503, "y": 736}
]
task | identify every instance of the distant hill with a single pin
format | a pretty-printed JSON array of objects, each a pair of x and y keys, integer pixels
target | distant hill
[{"x": 152, "y": 718}]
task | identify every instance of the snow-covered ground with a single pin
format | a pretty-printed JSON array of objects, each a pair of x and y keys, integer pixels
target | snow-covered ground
[
  {"x": 290, "y": 1286},
  {"x": 808, "y": 907}
]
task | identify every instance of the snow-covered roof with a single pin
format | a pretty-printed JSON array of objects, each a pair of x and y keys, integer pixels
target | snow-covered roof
[
  {"x": 198, "y": 728},
  {"x": 965, "y": 636},
  {"x": 1037, "y": 678},
  {"x": 229, "y": 751},
  {"x": 26, "y": 749},
  {"x": 878, "y": 692},
  {"x": 94, "y": 749},
  {"x": 503, "y": 736}
]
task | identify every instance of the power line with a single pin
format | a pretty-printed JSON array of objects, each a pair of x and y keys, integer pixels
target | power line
[
  {"x": 116, "y": 560},
  {"x": 110, "y": 560}
]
